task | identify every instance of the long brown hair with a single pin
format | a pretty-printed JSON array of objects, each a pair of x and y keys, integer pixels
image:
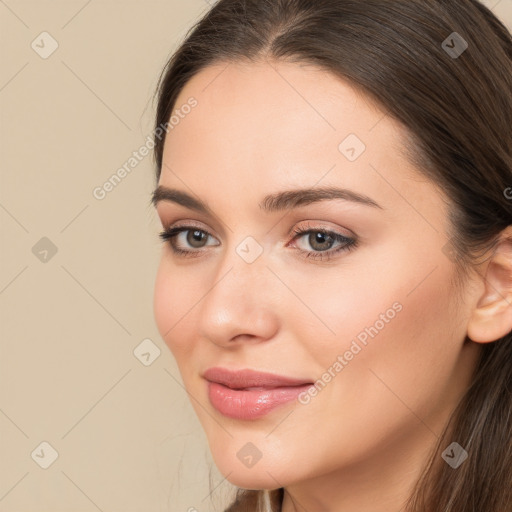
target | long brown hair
[{"x": 456, "y": 103}]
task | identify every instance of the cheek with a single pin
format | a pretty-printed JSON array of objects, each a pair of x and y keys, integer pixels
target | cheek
[
  {"x": 397, "y": 324},
  {"x": 172, "y": 306},
  {"x": 339, "y": 310},
  {"x": 397, "y": 308},
  {"x": 400, "y": 378},
  {"x": 405, "y": 364}
]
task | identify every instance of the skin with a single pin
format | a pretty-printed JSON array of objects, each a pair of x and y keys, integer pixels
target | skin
[{"x": 360, "y": 444}]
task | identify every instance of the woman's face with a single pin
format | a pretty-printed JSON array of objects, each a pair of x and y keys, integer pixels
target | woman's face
[{"x": 362, "y": 302}]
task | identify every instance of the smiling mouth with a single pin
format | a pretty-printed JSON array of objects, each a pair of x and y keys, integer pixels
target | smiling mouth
[{"x": 248, "y": 394}]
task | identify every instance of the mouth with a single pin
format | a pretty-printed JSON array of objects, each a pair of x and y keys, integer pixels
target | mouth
[{"x": 248, "y": 394}]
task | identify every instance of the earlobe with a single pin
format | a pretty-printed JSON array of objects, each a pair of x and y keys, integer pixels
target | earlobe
[{"x": 491, "y": 318}]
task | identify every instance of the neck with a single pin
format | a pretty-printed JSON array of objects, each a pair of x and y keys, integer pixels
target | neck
[{"x": 383, "y": 483}]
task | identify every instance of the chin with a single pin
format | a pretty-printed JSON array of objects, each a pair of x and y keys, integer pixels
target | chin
[
  {"x": 243, "y": 472},
  {"x": 252, "y": 481}
]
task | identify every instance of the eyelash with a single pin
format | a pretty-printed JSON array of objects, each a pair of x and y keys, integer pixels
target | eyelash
[{"x": 169, "y": 234}]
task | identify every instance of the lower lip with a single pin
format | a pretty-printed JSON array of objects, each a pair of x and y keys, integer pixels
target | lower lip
[{"x": 253, "y": 403}]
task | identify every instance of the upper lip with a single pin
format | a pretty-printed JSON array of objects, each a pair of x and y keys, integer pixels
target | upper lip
[{"x": 247, "y": 378}]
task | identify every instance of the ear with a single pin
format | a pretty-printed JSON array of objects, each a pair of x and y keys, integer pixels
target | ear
[{"x": 491, "y": 319}]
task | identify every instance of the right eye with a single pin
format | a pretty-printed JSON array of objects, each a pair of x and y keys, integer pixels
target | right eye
[{"x": 183, "y": 236}]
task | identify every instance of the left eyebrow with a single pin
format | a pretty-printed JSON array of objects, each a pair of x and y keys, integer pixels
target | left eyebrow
[
  {"x": 285, "y": 200},
  {"x": 290, "y": 199}
]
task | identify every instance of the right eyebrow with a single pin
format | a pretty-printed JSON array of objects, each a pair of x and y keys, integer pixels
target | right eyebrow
[{"x": 182, "y": 198}]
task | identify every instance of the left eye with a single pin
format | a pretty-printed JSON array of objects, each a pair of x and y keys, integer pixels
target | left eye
[{"x": 322, "y": 242}]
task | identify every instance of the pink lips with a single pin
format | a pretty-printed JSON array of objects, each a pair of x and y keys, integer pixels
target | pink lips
[{"x": 248, "y": 394}]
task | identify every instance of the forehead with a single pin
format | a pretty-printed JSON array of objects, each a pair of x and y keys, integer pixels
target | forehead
[
  {"x": 295, "y": 103},
  {"x": 261, "y": 126}
]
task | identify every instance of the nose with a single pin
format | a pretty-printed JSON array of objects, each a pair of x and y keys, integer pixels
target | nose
[{"x": 240, "y": 305}]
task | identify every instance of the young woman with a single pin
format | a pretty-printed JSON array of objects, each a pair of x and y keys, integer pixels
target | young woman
[{"x": 334, "y": 182}]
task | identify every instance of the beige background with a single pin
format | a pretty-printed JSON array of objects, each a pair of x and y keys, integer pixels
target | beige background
[{"x": 126, "y": 436}]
